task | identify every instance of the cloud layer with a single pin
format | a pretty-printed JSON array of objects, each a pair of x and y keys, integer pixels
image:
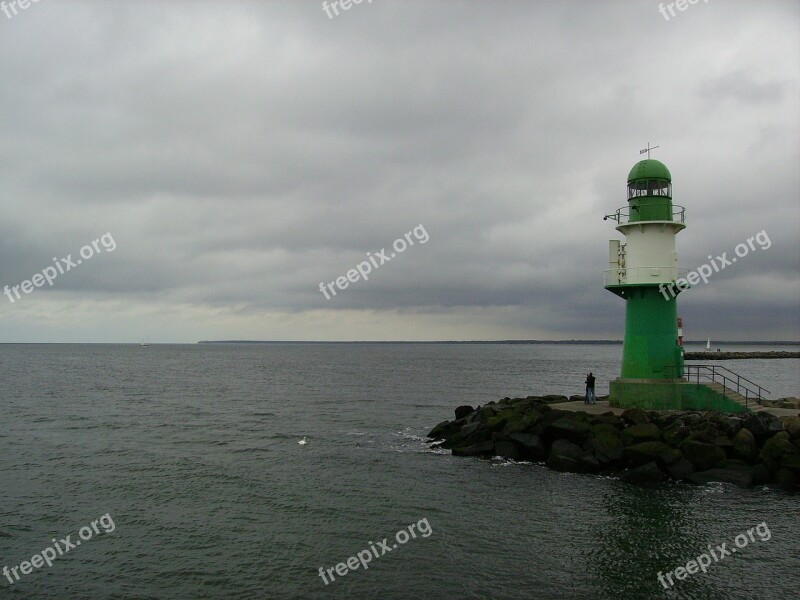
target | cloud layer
[{"x": 243, "y": 152}]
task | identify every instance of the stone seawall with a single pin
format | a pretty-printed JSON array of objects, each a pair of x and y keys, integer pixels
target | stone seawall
[{"x": 639, "y": 446}]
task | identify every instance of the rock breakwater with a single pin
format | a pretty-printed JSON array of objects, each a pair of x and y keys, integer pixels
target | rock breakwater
[{"x": 644, "y": 447}]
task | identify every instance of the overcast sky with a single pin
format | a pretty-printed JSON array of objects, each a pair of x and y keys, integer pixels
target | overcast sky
[{"x": 240, "y": 153}]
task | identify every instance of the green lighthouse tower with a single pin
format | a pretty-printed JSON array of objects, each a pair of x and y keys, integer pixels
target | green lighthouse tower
[{"x": 640, "y": 269}]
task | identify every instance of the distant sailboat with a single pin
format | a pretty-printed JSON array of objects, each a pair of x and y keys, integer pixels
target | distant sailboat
[
  {"x": 145, "y": 342},
  {"x": 708, "y": 344}
]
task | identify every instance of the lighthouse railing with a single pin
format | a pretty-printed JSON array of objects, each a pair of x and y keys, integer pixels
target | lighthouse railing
[
  {"x": 728, "y": 379},
  {"x": 665, "y": 274},
  {"x": 623, "y": 215}
]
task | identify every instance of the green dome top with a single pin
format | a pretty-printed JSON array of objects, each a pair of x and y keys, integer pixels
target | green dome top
[{"x": 649, "y": 169}]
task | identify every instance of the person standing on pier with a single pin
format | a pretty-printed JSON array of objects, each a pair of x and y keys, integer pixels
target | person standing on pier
[{"x": 590, "y": 397}]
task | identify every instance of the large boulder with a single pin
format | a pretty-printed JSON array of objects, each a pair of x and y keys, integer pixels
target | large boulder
[
  {"x": 566, "y": 456},
  {"x": 790, "y": 402},
  {"x": 566, "y": 448},
  {"x": 515, "y": 423},
  {"x": 743, "y": 476},
  {"x": 675, "y": 433},
  {"x": 763, "y": 425},
  {"x": 606, "y": 444},
  {"x": 531, "y": 445},
  {"x": 457, "y": 439},
  {"x": 590, "y": 463},
  {"x": 645, "y": 452},
  {"x": 487, "y": 412},
  {"x": 744, "y": 445},
  {"x": 476, "y": 432},
  {"x": 608, "y": 418},
  {"x": 554, "y": 399},
  {"x": 443, "y": 430},
  {"x": 761, "y": 474},
  {"x": 546, "y": 419},
  {"x": 648, "y": 474},
  {"x": 507, "y": 450},
  {"x": 792, "y": 427},
  {"x": 557, "y": 462},
  {"x": 680, "y": 469},
  {"x": 775, "y": 449},
  {"x": 645, "y": 432},
  {"x": 485, "y": 448},
  {"x": 635, "y": 416},
  {"x": 708, "y": 430},
  {"x": 702, "y": 455},
  {"x": 463, "y": 411},
  {"x": 792, "y": 463},
  {"x": 572, "y": 427}
]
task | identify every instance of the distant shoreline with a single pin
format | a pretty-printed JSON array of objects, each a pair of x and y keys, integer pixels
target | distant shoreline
[
  {"x": 738, "y": 355},
  {"x": 505, "y": 342}
]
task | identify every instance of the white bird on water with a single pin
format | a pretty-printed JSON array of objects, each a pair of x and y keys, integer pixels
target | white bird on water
[{"x": 303, "y": 442}]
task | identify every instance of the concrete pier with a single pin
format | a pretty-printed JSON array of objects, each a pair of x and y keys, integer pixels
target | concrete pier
[{"x": 737, "y": 355}]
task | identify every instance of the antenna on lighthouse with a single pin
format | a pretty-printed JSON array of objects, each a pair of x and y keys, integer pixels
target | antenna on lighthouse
[{"x": 648, "y": 150}]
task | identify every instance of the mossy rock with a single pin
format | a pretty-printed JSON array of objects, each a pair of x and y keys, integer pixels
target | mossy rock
[
  {"x": 507, "y": 450},
  {"x": 775, "y": 449},
  {"x": 485, "y": 448},
  {"x": 791, "y": 462},
  {"x": 792, "y": 427},
  {"x": 531, "y": 445},
  {"x": 607, "y": 446},
  {"x": 645, "y": 432},
  {"x": 744, "y": 445},
  {"x": 741, "y": 476},
  {"x": 702, "y": 455},
  {"x": 515, "y": 424},
  {"x": 648, "y": 474},
  {"x": 680, "y": 469},
  {"x": 609, "y": 419},
  {"x": 554, "y": 399},
  {"x": 442, "y": 430},
  {"x": 675, "y": 433},
  {"x": 531, "y": 418},
  {"x": 573, "y": 428},
  {"x": 645, "y": 452},
  {"x": 496, "y": 423},
  {"x": 456, "y": 439},
  {"x": 564, "y": 464},
  {"x": 548, "y": 417},
  {"x": 763, "y": 425},
  {"x": 635, "y": 416}
]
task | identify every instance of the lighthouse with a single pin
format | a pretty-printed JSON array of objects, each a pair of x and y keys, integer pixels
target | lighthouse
[{"x": 641, "y": 267}]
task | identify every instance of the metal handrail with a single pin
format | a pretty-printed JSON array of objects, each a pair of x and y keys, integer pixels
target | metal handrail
[
  {"x": 678, "y": 213},
  {"x": 714, "y": 372}
]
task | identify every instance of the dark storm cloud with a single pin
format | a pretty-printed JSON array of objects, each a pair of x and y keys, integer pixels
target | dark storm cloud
[{"x": 243, "y": 152}]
